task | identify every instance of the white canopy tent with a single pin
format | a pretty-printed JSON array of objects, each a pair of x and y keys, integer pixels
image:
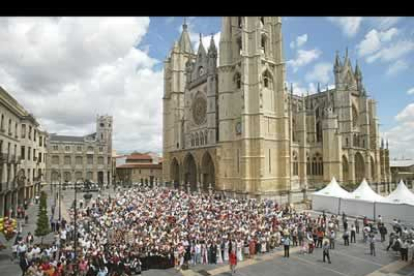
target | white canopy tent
[
  {"x": 401, "y": 195},
  {"x": 333, "y": 189},
  {"x": 328, "y": 198},
  {"x": 362, "y": 202},
  {"x": 365, "y": 192}
]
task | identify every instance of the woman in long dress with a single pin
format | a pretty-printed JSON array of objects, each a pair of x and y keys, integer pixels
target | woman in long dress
[
  {"x": 226, "y": 251},
  {"x": 204, "y": 253},
  {"x": 219, "y": 255},
  {"x": 239, "y": 250}
]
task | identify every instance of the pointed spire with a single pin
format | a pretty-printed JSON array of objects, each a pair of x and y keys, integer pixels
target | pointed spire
[
  {"x": 382, "y": 143},
  {"x": 201, "y": 49},
  {"x": 387, "y": 144},
  {"x": 337, "y": 64},
  {"x": 347, "y": 61},
  {"x": 319, "y": 87},
  {"x": 291, "y": 87},
  {"x": 357, "y": 70},
  {"x": 212, "y": 50},
  {"x": 185, "y": 24},
  {"x": 184, "y": 41}
]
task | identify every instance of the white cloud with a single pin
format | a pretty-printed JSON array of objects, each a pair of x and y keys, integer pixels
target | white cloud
[
  {"x": 401, "y": 137},
  {"x": 397, "y": 67},
  {"x": 300, "y": 41},
  {"x": 298, "y": 89},
  {"x": 392, "y": 52},
  {"x": 383, "y": 23},
  {"x": 304, "y": 57},
  {"x": 374, "y": 39},
  {"x": 348, "y": 25},
  {"x": 67, "y": 70},
  {"x": 320, "y": 73},
  {"x": 407, "y": 114},
  {"x": 410, "y": 91}
]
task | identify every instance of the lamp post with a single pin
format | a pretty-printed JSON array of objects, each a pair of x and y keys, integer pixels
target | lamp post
[
  {"x": 79, "y": 181},
  {"x": 60, "y": 193}
]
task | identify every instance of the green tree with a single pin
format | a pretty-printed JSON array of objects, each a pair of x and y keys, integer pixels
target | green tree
[{"x": 42, "y": 228}]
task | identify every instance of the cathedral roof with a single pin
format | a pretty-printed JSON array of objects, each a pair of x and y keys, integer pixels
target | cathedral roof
[{"x": 184, "y": 42}]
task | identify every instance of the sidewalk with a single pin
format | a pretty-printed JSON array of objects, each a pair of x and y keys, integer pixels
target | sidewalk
[
  {"x": 32, "y": 211},
  {"x": 12, "y": 268}
]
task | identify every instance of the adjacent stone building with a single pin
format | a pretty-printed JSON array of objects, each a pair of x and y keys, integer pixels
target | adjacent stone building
[
  {"x": 238, "y": 126},
  {"x": 22, "y": 154},
  {"x": 139, "y": 168},
  {"x": 81, "y": 158}
]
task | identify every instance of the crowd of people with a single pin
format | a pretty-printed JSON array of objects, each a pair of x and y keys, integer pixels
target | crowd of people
[{"x": 143, "y": 228}]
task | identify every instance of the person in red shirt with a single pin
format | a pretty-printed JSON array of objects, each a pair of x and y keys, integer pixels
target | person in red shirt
[{"x": 233, "y": 261}]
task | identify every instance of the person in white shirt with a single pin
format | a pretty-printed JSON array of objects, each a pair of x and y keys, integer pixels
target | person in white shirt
[
  {"x": 63, "y": 236},
  {"x": 21, "y": 249}
]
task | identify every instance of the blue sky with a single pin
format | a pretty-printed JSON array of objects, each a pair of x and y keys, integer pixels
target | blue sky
[
  {"x": 384, "y": 48},
  {"x": 66, "y": 70}
]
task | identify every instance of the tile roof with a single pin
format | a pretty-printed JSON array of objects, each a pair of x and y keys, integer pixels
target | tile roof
[
  {"x": 139, "y": 166},
  {"x": 64, "y": 138},
  {"x": 139, "y": 156}
]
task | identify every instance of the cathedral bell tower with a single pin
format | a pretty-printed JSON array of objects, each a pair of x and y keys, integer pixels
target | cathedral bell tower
[{"x": 253, "y": 116}]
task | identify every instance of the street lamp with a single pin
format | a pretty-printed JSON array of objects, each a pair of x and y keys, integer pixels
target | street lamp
[
  {"x": 60, "y": 193},
  {"x": 79, "y": 181}
]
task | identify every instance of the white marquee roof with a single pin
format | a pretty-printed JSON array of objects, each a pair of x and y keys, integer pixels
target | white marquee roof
[
  {"x": 365, "y": 192},
  {"x": 334, "y": 190},
  {"x": 401, "y": 195}
]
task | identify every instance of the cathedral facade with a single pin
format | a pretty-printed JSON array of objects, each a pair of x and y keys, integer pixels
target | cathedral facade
[{"x": 234, "y": 125}]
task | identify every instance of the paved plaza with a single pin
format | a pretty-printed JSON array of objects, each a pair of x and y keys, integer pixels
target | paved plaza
[{"x": 353, "y": 260}]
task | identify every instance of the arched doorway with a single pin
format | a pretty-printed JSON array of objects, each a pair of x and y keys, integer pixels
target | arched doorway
[
  {"x": 345, "y": 169},
  {"x": 190, "y": 171},
  {"x": 207, "y": 167},
  {"x": 359, "y": 167},
  {"x": 175, "y": 173}
]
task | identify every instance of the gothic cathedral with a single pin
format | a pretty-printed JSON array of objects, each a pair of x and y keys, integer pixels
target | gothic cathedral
[{"x": 231, "y": 123}]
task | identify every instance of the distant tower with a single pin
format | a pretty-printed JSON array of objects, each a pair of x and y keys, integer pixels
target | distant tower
[{"x": 104, "y": 130}]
